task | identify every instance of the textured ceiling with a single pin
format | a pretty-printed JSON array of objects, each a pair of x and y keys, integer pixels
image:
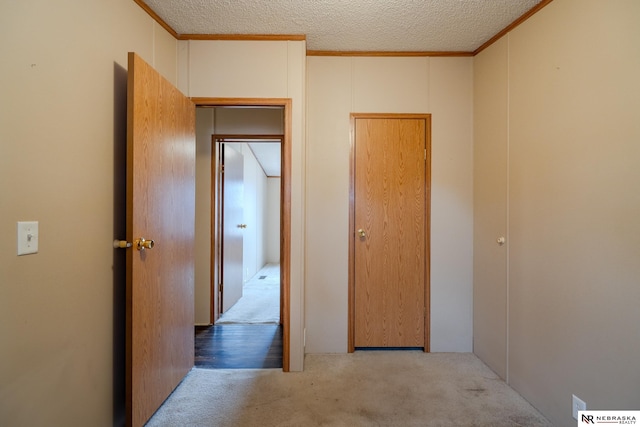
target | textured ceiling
[{"x": 351, "y": 25}]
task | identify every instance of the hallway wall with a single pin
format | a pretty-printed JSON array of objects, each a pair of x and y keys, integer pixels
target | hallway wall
[{"x": 273, "y": 220}]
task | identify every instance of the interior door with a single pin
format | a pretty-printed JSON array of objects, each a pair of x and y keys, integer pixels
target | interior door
[
  {"x": 160, "y": 268},
  {"x": 390, "y": 218},
  {"x": 232, "y": 226}
]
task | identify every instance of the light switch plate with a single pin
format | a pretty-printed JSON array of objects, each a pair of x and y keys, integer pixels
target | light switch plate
[
  {"x": 27, "y": 237},
  {"x": 577, "y": 405}
]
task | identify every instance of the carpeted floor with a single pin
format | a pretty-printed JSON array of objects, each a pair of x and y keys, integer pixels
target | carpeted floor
[
  {"x": 260, "y": 302},
  {"x": 366, "y": 388}
]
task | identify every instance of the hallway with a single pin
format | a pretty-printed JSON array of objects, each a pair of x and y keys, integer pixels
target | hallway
[{"x": 248, "y": 335}]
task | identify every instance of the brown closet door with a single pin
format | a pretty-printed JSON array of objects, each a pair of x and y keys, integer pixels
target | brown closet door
[{"x": 390, "y": 231}]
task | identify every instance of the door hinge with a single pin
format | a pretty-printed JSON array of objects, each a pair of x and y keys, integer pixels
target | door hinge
[
  {"x": 220, "y": 286},
  {"x": 221, "y": 168},
  {"x": 425, "y": 154}
]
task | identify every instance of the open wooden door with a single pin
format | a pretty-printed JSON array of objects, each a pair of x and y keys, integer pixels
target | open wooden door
[
  {"x": 160, "y": 269},
  {"x": 232, "y": 227}
]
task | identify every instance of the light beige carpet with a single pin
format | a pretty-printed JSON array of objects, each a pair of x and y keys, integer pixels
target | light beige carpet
[
  {"x": 260, "y": 301},
  {"x": 394, "y": 388}
]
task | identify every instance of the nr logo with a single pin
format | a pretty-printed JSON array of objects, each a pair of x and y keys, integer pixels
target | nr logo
[{"x": 587, "y": 419}]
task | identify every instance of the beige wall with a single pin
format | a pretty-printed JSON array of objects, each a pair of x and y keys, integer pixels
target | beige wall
[
  {"x": 490, "y": 207},
  {"x": 62, "y": 163},
  {"x": 573, "y": 206},
  {"x": 261, "y": 69},
  {"x": 337, "y": 86},
  {"x": 272, "y": 251}
]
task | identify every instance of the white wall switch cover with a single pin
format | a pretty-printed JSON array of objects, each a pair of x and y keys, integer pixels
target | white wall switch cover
[
  {"x": 577, "y": 405},
  {"x": 27, "y": 237}
]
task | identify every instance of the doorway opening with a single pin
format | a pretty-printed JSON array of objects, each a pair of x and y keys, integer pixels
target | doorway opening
[
  {"x": 248, "y": 221},
  {"x": 250, "y": 235}
]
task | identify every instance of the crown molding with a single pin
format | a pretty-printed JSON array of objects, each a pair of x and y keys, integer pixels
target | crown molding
[
  {"x": 383, "y": 53},
  {"x": 301, "y": 37},
  {"x": 155, "y": 16},
  {"x": 513, "y": 25},
  {"x": 258, "y": 37}
]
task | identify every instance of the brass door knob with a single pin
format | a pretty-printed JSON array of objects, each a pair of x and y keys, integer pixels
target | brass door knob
[
  {"x": 362, "y": 233},
  {"x": 142, "y": 244}
]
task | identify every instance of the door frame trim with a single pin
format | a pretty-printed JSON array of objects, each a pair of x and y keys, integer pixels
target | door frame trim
[
  {"x": 285, "y": 208},
  {"x": 427, "y": 277}
]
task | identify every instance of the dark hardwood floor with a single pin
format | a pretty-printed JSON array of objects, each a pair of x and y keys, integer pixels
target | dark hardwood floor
[{"x": 238, "y": 346}]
